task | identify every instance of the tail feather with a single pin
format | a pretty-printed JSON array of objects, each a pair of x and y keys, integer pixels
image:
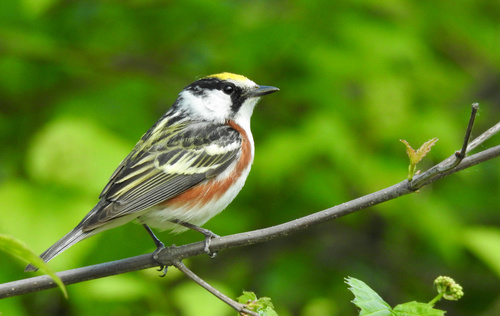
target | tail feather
[
  {"x": 82, "y": 231},
  {"x": 77, "y": 234},
  {"x": 62, "y": 244}
]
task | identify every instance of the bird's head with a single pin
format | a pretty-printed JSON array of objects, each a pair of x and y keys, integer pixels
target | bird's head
[{"x": 222, "y": 97}]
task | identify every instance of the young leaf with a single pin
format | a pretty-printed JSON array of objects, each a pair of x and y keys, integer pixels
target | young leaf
[
  {"x": 367, "y": 299},
  {"x": 21, "y": 250},
  {"x": 417, "y": 155},
  {"x": 424, "y": 149},
  {"x": 263, "y": 306}
]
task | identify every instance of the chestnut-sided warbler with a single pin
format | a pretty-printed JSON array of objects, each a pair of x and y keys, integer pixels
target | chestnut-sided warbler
[{"x": 187, "y": 167}]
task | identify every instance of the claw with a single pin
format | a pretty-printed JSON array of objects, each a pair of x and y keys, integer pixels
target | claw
[
  {"x": 207, "y": 233},
  {"x": 164, "y": 269},
  {"x": 208, "y": 241}
]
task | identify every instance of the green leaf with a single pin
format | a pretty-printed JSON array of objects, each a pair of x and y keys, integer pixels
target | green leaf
[
  {"x": 416, "y": 309},
  {"x": 263, "y": 306},
  {"x": 247, "y": 297},
  {"x": 367, "y": 299},
  {"x": 22, "y": 251}
]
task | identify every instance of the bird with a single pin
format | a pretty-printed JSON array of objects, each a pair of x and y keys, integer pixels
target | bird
[{"x": 187, "y": 168}]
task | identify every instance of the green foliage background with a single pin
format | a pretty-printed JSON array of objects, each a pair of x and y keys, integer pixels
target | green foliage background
[{"x": 80, "y": 81}]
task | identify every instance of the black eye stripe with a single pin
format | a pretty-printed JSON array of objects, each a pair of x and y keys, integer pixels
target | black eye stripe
[
  {"x": 202, "y": 86},
  {"x": 210, "y": 84}
]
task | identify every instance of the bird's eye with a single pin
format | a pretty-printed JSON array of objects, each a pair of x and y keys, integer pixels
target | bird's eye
[{"x": 228, "y": 88}]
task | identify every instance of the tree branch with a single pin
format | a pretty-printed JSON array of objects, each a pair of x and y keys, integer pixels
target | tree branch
[{"x": 170, "y": 256}]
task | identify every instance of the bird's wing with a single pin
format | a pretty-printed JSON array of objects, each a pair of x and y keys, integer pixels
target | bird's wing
[{"x": 165, "y": 163}]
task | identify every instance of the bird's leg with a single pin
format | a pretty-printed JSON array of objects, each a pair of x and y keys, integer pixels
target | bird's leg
[
  {"x": 157, "y": 241},
  {"x": 207, "y": 233},
  {"x": 159, "y": 247}
]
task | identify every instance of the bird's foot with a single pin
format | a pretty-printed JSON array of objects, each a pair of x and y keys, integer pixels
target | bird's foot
[
  {"x": 208, "y": 240},
  {"x": 209, "y": 235},
  {"x": 162, "y": 267}
]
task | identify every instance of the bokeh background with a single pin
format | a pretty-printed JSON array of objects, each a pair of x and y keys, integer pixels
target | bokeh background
[{"x": 81, "y": 81}]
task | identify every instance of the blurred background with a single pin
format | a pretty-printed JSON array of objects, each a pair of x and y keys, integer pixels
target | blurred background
[{"x": 81, "y": 81}]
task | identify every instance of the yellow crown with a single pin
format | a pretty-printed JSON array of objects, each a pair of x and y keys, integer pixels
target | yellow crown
[{"x": 228, "y": 75}]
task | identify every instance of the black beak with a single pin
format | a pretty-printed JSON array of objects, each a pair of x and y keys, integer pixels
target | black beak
[{"x": 261, "y": 90}]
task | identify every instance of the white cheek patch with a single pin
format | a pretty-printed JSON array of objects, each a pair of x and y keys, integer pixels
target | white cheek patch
[{"x": 213, "y": 105}]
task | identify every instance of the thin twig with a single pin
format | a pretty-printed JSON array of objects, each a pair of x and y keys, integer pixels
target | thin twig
[
  {"x": 468, "y": 132},
  {"x": 240, "y": 308},
  {"x": 483, "y": 137}
]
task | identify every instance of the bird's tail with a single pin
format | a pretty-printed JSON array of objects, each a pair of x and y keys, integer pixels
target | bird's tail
[{"x": 64, "y": 243}]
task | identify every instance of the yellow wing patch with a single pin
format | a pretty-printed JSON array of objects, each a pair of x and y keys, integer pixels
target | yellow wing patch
[{"x": 228, "y": 75}]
